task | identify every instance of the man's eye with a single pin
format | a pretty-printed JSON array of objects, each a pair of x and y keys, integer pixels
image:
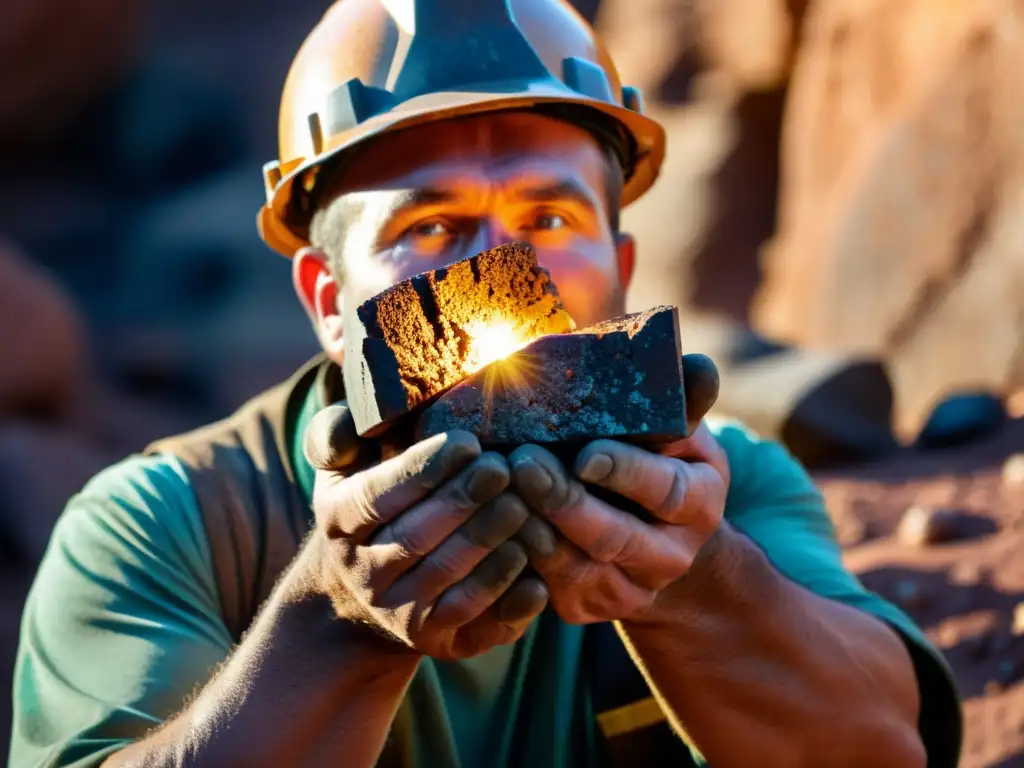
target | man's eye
[
  {"x": 547, "y": 221},
  {"x": 432, "y": 229}
]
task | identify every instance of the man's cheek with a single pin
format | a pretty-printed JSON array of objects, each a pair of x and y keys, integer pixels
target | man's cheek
[{"x": 588, "y": 288}]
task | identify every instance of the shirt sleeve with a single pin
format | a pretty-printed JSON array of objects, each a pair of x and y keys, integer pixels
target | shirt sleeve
[
  {"x": 774, "y": 502},
  {"x": 123, "y": 621}
]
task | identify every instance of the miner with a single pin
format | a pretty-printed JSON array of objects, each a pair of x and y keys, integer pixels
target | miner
[{"x": 273, "y": 590}]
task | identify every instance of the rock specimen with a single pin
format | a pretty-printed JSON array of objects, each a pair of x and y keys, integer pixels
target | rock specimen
[
  {"x": 621, "y": 379},
  {"x": 428, "y": 333}
]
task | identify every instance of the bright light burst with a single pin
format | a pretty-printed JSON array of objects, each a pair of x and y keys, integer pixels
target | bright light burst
[
  {"x": 493, "y": 342},
  {"x": 490, "y": 342}
]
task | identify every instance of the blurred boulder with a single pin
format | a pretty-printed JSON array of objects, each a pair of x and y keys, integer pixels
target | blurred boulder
[
  {"x": 827, "y": 409},
  {"x": 715, "y": 74},
  {"x": 901, "y": 226},
  {"x": 43, "y": 343},
  {"x": 57, "y": 54},
  {"x": 754, "y": 41}
]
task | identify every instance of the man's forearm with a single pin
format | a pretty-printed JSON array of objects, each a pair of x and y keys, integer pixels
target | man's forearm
[
  {"x": 759, "y": 671},
  {"x": 303, "y": 688}
]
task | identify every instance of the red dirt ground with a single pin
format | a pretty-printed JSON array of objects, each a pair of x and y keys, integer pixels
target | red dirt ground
[{"x": 963, "y": 592}]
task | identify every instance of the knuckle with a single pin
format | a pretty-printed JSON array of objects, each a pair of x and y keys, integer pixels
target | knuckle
[
  {"x": 474, "y": 592},
  {"x": 364, "y": 496},
  {"x": 709, "y": 519},
  {"x": 409, "y": 539},
  {"x": 704, "y": 500},
  {"x": 359, "y": 515},
  {"x": 476, "y": 534},
  {"x": 343, "y": 507},
  {"x": 629, "y": 473},
  {"x": 457, "y": 495},
  {"x": 611, "y": 544},
  {"x": 572, "y": 497},
  {"x": 675, "y": 496},
  {"x": 458, "y": 609},
  {"x": 573, "y": 574},
  {"x": 451, "y": 562}
]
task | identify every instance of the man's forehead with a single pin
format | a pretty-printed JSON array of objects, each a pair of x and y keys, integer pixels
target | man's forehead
[{"x": 507, "y": 148}]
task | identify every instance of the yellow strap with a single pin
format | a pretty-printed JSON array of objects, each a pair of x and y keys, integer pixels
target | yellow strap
[{"x": 632, "y": 717}]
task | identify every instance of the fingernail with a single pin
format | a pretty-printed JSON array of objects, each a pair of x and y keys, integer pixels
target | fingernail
[
  {"x": 545, "y": 544},
  {"x": 538, "y": 537},
  {"x": 544, "y": 481},
  {"x": 598, "y": 467},
  {"x": 482, "y": 483}
]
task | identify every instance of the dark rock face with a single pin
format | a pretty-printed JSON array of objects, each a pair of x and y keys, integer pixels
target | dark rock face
[
  {"x": 417, "y": 339},
  {"x": 621, "y": 379}
]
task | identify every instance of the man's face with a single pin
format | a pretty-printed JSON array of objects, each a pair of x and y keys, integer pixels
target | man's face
[{"x": 426, "y": 198}]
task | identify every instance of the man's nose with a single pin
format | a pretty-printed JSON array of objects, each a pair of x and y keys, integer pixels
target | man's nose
[{"x": 491, "y": 233}]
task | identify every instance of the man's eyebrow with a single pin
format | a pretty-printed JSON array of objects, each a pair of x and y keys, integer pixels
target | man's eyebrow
[
  {"x": 407, "y": 203},
  {"x": 565, "y": 190},
  {"x": 420, "y": 198}
]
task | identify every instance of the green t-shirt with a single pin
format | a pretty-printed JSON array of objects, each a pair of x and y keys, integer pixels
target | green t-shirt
[{"x": 123, "y": 623}]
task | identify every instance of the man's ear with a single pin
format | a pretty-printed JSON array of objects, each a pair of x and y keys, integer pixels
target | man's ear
[
  {"x": 320, "y": 297},
  {"x": 625, "y": 249}
]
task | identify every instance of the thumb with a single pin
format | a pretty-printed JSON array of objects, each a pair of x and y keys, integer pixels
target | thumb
[
  {"x": 700, "y": 386},
  {"x": 331, "y": 442}
]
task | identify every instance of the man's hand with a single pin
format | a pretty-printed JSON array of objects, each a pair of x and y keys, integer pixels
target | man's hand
[
  {"x": 419, "y": 545},
  {"x": 608, "y": 564}
]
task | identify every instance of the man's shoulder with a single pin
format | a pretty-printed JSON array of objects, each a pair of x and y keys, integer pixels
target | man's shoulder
[
  {"x": 137, "y": 478},
  {"x": 133, "y": 518},
  {"x": 140, "y": 498}
]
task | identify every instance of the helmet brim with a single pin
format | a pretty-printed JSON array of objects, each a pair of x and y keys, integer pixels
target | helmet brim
[{"x": 275, "y": 219}]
